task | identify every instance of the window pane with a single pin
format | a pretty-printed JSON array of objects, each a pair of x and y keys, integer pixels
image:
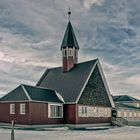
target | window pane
[
  {"x": 12, "y": 108},
  {"x": 56, "y": 111},
  {"x": 22, "y": 109}
]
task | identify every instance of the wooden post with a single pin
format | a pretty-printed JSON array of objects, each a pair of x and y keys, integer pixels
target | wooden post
[{"x": 12, "y": 132}]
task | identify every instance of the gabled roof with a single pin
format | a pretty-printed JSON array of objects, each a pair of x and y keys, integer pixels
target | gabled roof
[
  {"x": 121, "y": 105},
  {"x": 31, "y": 93},
  {"x": 125, "y": 98},
  {"x": 68, "y": 84},
  {"x": 71, "y": 84},
  {"x": 69, "y": 39},
  {"x": 15, "y": 95}
]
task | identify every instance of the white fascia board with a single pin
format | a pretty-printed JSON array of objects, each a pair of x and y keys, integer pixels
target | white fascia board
[
  {"x": 86, "y": 82},
  {"x": 10, "y": 92},
  {"x": 59, "y": 96},
  {"x": 26, "y": 93},
  {"x": 23, "y": 101},
  {"x": 105, "y": 83}
]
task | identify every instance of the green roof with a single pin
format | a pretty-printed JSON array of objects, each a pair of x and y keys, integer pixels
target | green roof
[
  {"x": 125, "y": 98},
  {"x": 32, "y": 93}
]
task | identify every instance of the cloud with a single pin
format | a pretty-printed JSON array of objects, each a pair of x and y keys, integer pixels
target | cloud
[
  {"x": 31, "y": 34},
  {"x": 88, "y": 3},
  {"x": 134, "y": 80}
]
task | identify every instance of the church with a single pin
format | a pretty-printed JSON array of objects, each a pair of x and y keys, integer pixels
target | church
[{"x": 75, "y": 94}]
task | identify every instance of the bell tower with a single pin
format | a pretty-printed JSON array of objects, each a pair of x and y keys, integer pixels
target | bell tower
[{"x": 69, "y": 48}]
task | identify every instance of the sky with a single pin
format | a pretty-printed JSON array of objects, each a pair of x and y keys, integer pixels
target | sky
[{"x": 31, "y": 33}]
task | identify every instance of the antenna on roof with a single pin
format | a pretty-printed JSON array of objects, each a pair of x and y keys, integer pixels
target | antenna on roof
[{"x": 69, "y": 13}]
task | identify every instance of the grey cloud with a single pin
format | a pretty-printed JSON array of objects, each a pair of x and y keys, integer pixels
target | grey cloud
[{"x": 31, "y": 33}]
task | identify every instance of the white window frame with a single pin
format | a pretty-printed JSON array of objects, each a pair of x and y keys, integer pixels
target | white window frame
[
  {"x": 135, "y": 114},
  {"x": 22, "y": 109},
  {"x": 55, "y": 105},
  {"x": 138, "y": 105},
  {"x": 139, "y": 114},
  {"x": 82, "y": 111},
  {"x": 119, "y": 113},
  {"x": 130, "y": 114},
  {"x": 12, "y": 108},
  {"x": 92, "y": 111},
  {"x": 125, "y": 114}
]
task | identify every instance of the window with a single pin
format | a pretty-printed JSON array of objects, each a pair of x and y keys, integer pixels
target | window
[
  {"x": 135, "y": 114},
  {"x": 12, "y": 108},
  {"x": 139, "y": 114},
  {"x": 130, "y": 114},
  {"x": 89, "y": 111},
  {"x": 125, "y": 114},
  {"x": 138, "y": 105},
  {"x": 82, "y": 110},
  {"x": 119, "y": 114},
  {"x": 55, "y": 111},
  {"x": 64, "y": 52},
  {"x": 22, "y": 109}
]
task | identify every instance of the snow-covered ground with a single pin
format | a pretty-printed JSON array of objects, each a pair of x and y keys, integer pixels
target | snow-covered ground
[{"x": 123, "y": 133}]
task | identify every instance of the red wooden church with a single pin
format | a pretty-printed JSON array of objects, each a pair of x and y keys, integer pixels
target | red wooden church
[{"x": 74, "y": 94}]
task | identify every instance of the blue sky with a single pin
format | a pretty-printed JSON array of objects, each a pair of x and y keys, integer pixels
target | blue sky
[{"x": 31, "y": 33}]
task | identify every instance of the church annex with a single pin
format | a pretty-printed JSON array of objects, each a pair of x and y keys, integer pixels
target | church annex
[{"x": 74, "y": 94}]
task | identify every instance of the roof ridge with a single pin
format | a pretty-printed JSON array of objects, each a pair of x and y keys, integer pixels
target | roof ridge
[
  {"x": 38, "y": 87},
  {"x": 76, "y": 64},
  {"x": 127, "y": 105},
  {"x": 26, "y": 92},
  {"x": 134, "y": 99}
]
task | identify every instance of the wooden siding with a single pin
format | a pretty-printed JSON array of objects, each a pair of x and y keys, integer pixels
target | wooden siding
[
  {"x": 95, "y": 92},
  {"x": 6, "y": 117},
  {"x": 39, "y": 114},
  {"x": 70, "y": 113}
]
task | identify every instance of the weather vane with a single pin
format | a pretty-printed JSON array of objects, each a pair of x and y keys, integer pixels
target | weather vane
[{"x": 69, "y": 13}]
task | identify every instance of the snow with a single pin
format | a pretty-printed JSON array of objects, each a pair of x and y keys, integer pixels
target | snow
[{"x": 120, "y": 133}]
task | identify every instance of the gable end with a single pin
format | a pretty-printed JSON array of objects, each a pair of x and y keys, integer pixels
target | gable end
[
  {"x": 95, "y": 91},
  {"x": 18, "y": 94}
]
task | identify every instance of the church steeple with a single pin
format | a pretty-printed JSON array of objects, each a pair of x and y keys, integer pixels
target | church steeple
[{"x": 69, "y": 47}]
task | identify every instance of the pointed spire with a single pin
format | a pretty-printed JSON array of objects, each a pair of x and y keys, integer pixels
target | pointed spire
[{"x": 69, "y": 39}]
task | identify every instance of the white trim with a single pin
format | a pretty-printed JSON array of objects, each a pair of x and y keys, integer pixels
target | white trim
[
  {"x": 12, "y": 109},
  {"x": 105, "y": 84},
  {"x": 26, "y": 92},
  {"x": 59, "y": 96},
  {"x": 49, "y": 115},
  {"x": 104, "y": 81},
  {"x": 14, "y": 101},
  {"x": 25, "y": 101},
  {"x": 9, "y": 92},
  {"x": 86, "y": 82},
  {"x": 22, "y": 109}
]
